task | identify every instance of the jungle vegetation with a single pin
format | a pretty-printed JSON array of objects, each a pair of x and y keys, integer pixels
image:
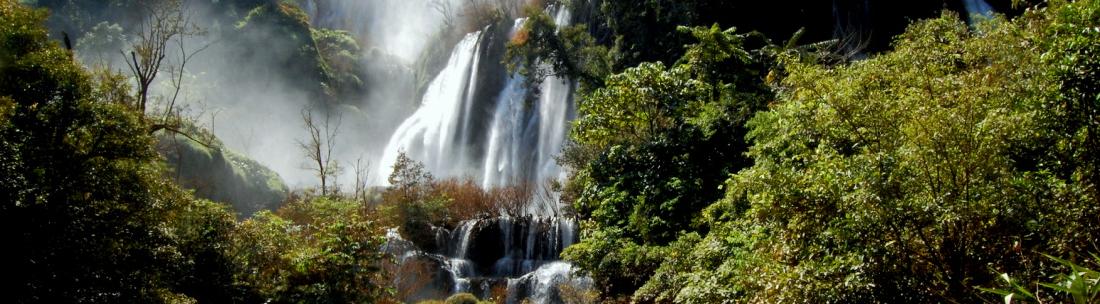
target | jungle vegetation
[{"x": 957, "y": 162}]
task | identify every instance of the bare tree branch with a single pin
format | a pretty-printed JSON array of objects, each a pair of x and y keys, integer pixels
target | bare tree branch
[{"x": 319, "y": 146}]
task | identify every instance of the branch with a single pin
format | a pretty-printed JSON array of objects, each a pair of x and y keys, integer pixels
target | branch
[{"x": 175, "y": 130}]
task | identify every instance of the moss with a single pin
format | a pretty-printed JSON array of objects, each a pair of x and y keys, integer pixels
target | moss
[
  {"x": 279, "y": 35},
  {"x": 217, "y": 173}
]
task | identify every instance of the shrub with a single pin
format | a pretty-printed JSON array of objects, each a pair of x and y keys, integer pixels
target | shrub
[
  {"x": 462, "y": 298},
  {"x": 907, "y": 176}
]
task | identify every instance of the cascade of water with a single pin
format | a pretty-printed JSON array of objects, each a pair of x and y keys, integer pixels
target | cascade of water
[
  {"x": 555, "y": 111},
  {"x": 538, "y": 286},
  {"x": 506, "y": 136},
  {"x": 519, "y": 141},
  {"x": 518, "y": 126},
  {"x": 464, "y": 238},
  {"x": 519, "y": 254},
  {"x": 430, "y": 134}
]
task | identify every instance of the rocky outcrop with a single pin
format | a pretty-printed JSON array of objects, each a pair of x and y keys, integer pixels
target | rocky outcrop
[{"x": 216, "y": 173}]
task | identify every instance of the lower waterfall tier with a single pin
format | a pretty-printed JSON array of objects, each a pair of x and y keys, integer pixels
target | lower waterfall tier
[{"x": 502, "y": 257}]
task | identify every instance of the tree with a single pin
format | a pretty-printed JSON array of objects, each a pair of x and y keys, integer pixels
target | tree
[
  {"x": 542, "y": 48},
  {"x": 636, "y": 105},
  {"x": 319, "y": 250},
  {"x": 914, "y": 176},
  {"x": 409, "y": 179},
  {"x": 652, "y": 148},
  {"x": 319, "y": 146},
  {"x": 165, "y": 23},
  {"x": 412, "y": 203},
  {"x": 83, "y": 196},
  {"x": 362, "y": 169}
]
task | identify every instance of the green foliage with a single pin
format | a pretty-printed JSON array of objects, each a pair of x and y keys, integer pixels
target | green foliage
[
  {"x": 543, "y": 48},
  {"x": 341, "y": 55},
  {"x": 903, "y": 149},
  {"x": 715, "y": 54},
  {"x": 616, "y": 263},
  {"x": 214, "y": 172},
  {"x": 1073, "y": 52},
  {"x": 83, "y": 197},
  {"x": 85, "y": 200},
  {"x": 416, "y": 202},
  {"x": 203, "y": 231},
  {"x": 310, "y": 251},
  {"x": 904, "y": 177},
  {"x": 653, "y": 147},
  {"x": 287, "y": 42},
  {"x": 900, "y": 178},
  {"x": 636, "y": 105},
  {"x": 409, "y": 202},
  {"x": 1081, "y": 283}
]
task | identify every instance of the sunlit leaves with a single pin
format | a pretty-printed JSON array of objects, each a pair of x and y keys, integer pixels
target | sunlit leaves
[
  {"x": 665, "y": 138},
  {"x": 319, "y": 250},
  {"x": 635, "y": 105},
  {"x": 903, "y": 176}
]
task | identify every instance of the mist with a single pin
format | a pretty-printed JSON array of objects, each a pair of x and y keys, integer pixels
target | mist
[{"x": 239, "y": 91}]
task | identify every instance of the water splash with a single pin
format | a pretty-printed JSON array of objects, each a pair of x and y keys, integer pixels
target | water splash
[{"x": 539, "y": 285}]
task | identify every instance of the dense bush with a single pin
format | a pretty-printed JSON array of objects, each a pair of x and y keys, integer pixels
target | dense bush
[
  {"x": 318, "y": 250},
  {"x": 652, "y": 149},
  {"x": 907, "y": 177},
  {"x": 91, "y": 217},
  {"x": 417, "y": 203},
  {"x": 913, "y": 176},
  {"x": 82, "y": 198}
]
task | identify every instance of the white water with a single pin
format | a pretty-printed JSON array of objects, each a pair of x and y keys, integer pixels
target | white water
[
  {"x": 524, "y": 138},
  {"x": 540, "y": 283},
  {"x": 520, "y": 142},
  {"x": 430, "y": 134},
  {"x": 517, "y": 144},
  {"x": 527, "y": 262}
]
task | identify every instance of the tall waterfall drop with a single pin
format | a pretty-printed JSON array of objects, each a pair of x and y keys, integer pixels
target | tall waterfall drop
[
  {"x": 497, "y": 133},
  {"x": 519, "y": 142}
]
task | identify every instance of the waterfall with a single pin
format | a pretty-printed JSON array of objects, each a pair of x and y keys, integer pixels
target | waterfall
[
  {"x": 519, "y": 141},
  {"x": 431, "y": 134},
  {"x": 524, "y": 138},
  {"x": 518, "y": 254},
  {"x": 538, "y": 285},
  {"x": 503, "y": 134}
]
